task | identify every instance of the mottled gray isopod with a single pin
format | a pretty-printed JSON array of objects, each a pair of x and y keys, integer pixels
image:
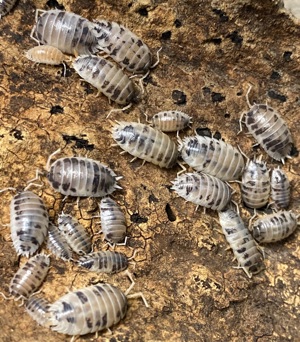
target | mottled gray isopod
[
  {"x": 38, "y": 309},
  {"x": 57, "y": 243},
  {"x": 202, "y": 189},
  {"x": 145, "y": 142},
  {"x": 241, "y": 242},
  {"x": 280, "y": 189},
  {"x": 171, "y": 121},
  {"x": 6, "y": 6}
]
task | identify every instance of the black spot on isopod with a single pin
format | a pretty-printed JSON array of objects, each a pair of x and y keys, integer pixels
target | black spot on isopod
[
  {"x": 136, "y": 218},
  {"x": 287, "y": 56},
  {"x": 217, "y": 135},
  {"x": 204, "y": 132},
  {"x": 217, "y": 97},
  {"x": 235, "y": 38},
  {"x": 143, "y": 11},
  {"x": 16, "y": 133},
  {"x": 179, "y": 97},
  {"x": 166, "y": 35},
  {"x": 222, "y": 15},
  {"x": 275, "y": 75},
  {"x": 55, "y": 4},
  {"x": 274, "y": 95},
  {"x": 170, "y": 213},
  {"x": 177, "y": 23},
  {"x": 152, "y": 199}
]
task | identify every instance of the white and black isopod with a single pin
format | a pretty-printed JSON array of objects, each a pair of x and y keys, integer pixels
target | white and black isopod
[
  {"x": 29, "y": 277},
  {"x": 145, "y": 142},
  {"x": 76, "y": 235},
  {"x": 212, "y": 156},
  {"x": 274, "y": 227},
  {"x": 171, "y": 121},
  {"x": 6, "y": 6},
  {"x": 104, "y": 261},
  {"x": 203, "y": 189},
  {"x": 67, "y": 31},
  {"x": 280, "y": 188},
  {"x": 241, "y": 242},
  {"x": 28, "y": 222},
  {"x": 57, "y": 243},
  {"x": 38, "y": 309}
]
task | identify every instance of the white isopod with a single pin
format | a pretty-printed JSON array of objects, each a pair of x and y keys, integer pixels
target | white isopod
[
  {"x": 67, "y": 31},
  {"x": 241, "y": 242},
  {"x": 38, "y": 309},
  {"x": 57, "y": 243},
  {"x": 6, "y": 6},
  {"x": 76, "y": 235},
  {"x": 212, "y": 156},
  {"x": 202, "y": 189},
  {"x": 274, "y": 227},
  {"x": 145, "y": 142},
  {"x": 280, "y": 188},
  {"x": 171, "y": 121},
  {"x": 28, "y": 222}
]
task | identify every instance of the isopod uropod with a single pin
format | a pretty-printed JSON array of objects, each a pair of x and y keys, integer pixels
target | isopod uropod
[
  {"x": 203, "y": 189},
  {"x": 241, "y": 242},
  {"x": 28, "y": 222},
  {"x": 57, "y": 243},
  {"x": 171, "y": 121},
  {"x": 280, "y": 188},
  {"x": 6, "y": 6},
  {"x": 38, "y": 309},
  {"x": 212, "y": 156},
  {"x": 145, "y": 142},
  {"x": 274, "y": 227}
]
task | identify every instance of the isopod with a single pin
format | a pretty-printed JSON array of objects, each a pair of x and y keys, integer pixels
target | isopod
[
  {"x": 81, "y": 177},
  {"x": 171, "y": 121},
  {"x": 29, "y": 277},
  {"x": 107, "y": 78},
  {"x": 28, "y": 222},
  {"x": 113, "y": 222},
  {"x": 145, "y": 142},
  {"x": 202, "y": 189},
  {"x": 269, "y": 129},
  {"x": 212, "y": 156},
  {"x": 104, "y": 261},
  {"x": 67, "y": 31},
  {"x": 255, "y": 185},
  {"x": 280, "y": 188},
  {"x": 57, "y": 243},
  {"x": 6, "y": 6},
  {"x": 76, "y": 235},
  {"x": 38, "y": 309},
  {"x": 274, "y": 227},
  {"x": 241, "y": 242}
]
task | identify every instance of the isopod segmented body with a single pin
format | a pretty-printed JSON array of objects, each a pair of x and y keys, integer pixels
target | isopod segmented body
[
  {"x": 203, "y": 189},
  {"x": 38, "y": 309},
  {"x": 45, "y": 54},
  {"x": 29, "y": 277},
  {"x": 241, "y": 242},
  {"x": 113, "y": 222},
  {"x": 6, "y": 6},
  {"x": 57, "y": 243},
  {"x": 82, "y": 177},
  {"x": 212, "y": 156},
  {"x": 28, "y": 222},
  {"x": 123, "y": 46},
  {"x": 280, "y": 188},
  {"x": 145, "y": 142},
  {"x": 107, "y": 78},
  {"x": 104, "y": 261},
  {"x": 88, "y": 310},
  {"x": 76, "y": 235},
  {"x": 255, "y": 186},
  {"x": 67, "y": 31},
  {"x": 171, "y": 121},
  {"x": 274, "y": 227}
]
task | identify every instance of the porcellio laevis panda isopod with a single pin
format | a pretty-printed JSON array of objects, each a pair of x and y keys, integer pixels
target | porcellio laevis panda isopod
[
  {"x": 6, "y": 6},
  {"x": 171, "y": 121},
  {"x": 82, "y": 177},
  {"x": 45, "y": 54},
  {"x": 202, "y": 189},
  {"x": 107, "y": 78},
  {"x": 123, "y": 46},
  {"x": 38, "y": 309},
  {"x": 274, "y": 227},
  {"x": 76, "y": 235},
  {"x": 67, "y": 31},
  {"x": 145, "y": 142},
  {"x": 280, "y": 188},
  {"x": 113, "y": 221},
  {"x": 104, "y": 261},
  {"x": 241, "y": 242},
  {"x": 28, "y": 222},
  {"x": 29, "y": 277},
  {"x": 57, "y": 243},
  {"x": 212, "y": 156},
  {"x": 255, "y": 185},
  {"x": 269, "y": 129}
]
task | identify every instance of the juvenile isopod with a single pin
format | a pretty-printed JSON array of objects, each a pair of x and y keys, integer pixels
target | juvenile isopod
[
  {"x": 28, "y": 222},
  {"x": 81, "y": 177},
  {"x": 202, "y": 189},
  {"x": 104, "y": 261},
  {"x": 123, "y": 46},
  {"x": 29, "y": 277},
  {"x": 107, "y": 78},
  {"x": 38, "y": 309},
  {"x": 57, "y": 243},
  {"x": 242, "y": 243},
  {"x": 274, "y": 227},
  {"x": 76, "y": 235},
  {"x": 269, "y": 129},
  {"x": 212, "y": 156},
  {"x": 67, "y": 31},
  {"x": 280, "y": 188},
  {"x": 171, "y": 121},
  {"x": 255, "y": 185},
  {"x": 6, "y": 6},
  {"x": 145, "y": 142}
]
